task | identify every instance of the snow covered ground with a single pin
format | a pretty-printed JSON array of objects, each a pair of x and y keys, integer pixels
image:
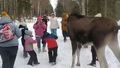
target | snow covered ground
[{"x": 64, "y": 55}]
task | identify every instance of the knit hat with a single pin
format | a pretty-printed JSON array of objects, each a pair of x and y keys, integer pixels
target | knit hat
[
  {"x": 39, "y": 18},
  {"x": 46, "y": 34},
  {"x": 5, "y": 15},
  {"x": 98, "y": 15},
  {"x": 28, "y": 32}
]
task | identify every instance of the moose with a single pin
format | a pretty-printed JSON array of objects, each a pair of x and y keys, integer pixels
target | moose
[{"x": 96, "y": 31}]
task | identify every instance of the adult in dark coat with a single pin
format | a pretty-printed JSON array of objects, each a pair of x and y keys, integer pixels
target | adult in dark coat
[
  {"x": 94, "y": 55},
  {"x": 23, "y": 27},
  {"x": 45, "y": 20}
]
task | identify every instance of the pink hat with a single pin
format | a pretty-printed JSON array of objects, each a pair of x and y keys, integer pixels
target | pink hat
[{"x": 39, "y": 18}]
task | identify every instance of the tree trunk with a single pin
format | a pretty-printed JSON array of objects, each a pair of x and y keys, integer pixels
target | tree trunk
[
  {"x": 83, "y": 7},
  {"x": 105, "y": 8}
]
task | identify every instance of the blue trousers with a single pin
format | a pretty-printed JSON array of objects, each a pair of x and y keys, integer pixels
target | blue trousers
[
  {"x": 38, "y": 42},
  {"x": 54, "y": 31}
]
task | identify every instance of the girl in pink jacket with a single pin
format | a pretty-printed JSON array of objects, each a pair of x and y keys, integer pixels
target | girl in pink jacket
[
  {"x": 29, "y": 48},
  {"x": 39, "y": 28}
]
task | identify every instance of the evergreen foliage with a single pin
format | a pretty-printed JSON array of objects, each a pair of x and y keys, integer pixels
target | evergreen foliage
[{"x": 59, "y": 10}]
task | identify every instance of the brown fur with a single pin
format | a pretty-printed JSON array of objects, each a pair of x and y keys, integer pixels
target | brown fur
[
  {"x": 98, "y": 30},
  {"x": 90, "y": 26}
]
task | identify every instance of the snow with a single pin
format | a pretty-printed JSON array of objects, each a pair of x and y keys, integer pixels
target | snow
[
  {"x": 53, "y": 3},
  {"x": 64, "y": 55}
]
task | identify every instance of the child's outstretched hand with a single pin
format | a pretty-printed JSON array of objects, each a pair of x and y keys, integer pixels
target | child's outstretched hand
[{"x": 35, "y": 41}]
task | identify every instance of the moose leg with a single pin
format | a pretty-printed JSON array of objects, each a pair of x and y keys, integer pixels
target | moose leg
[
  {"x": 116, "y": 50},
  {"x": 113, "y": 45},
  {"x": 74, "y": 49},
  {"x": 78, "y": 53},
  {"x": 101, "y": 56},
  {"x": 100, "y": 49}
]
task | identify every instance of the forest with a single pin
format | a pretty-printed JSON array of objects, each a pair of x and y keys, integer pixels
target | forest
[{"x": 30, "y": 8}]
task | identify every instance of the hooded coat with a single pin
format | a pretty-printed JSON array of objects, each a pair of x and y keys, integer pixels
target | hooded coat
[
  {"x": 50, "y": 39},
  {"x": 17, "y": 33},
  {"x": 39, "y": 28},
  {"x": 29, "y": 40},
  {"x": 64, "y": 19}
]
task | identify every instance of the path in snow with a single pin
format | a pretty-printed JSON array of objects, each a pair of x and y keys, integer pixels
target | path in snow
[{"x": 64, "y": 56}]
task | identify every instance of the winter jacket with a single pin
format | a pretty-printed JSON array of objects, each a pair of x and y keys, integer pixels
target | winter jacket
[
  {"x": 39, "y": 29},
  {"x": 29, "y": 43},
  {"x": 64, "y": 21},
  {"x": 54, "y": 23},
  {"x": 45, "y": 19},
  {"x": 50, "y": 39},
  {"x": 17, "y": 33},
  {"x": 64, "y": 27}
]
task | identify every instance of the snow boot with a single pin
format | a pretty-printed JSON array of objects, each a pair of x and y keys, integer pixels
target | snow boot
[
  {"x": 65, "y": 40},
  {"x": 30, "y": 63},
  {"x": 37, "y": 63},
  {"x": 53, "y": 63},
  {"x": 93, "y": 64},
  {"x": 44, "y": 49}
]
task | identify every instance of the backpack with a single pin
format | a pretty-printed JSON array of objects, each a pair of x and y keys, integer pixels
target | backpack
[{"x": 6, "y": 33}]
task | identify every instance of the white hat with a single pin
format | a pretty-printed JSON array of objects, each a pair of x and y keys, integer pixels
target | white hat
[
  {"x": 98, "y": 15},
  {"x": 23, "y": 24}
]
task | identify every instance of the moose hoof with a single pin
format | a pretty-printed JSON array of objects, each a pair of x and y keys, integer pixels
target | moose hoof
[{"x": 78, "y": 64}]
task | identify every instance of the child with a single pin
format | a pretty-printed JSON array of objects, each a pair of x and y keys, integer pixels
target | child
[
  {"x": 39, "y": 28},
  {"x": 52, "y": 46},
  {"x": 29, "y": 48}
]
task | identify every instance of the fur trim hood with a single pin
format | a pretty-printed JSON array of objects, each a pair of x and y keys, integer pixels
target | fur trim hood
[{"x": 64, "y": 16}]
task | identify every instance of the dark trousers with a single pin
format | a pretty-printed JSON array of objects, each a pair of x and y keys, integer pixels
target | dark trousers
[
  {"x": 8, "y": 55},
  {"x": 43, "y": 42},
  {"x": 93, "y": 54},
  {"x": 52, "y": 53},
  {"x": 65, "y": 34},
  {"x": 23, "y": 44},
  {"x": 33, "y": 57}
]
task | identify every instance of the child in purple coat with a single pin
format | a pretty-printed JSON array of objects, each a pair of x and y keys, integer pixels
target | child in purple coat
[{"x": 29, "y": 48}]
